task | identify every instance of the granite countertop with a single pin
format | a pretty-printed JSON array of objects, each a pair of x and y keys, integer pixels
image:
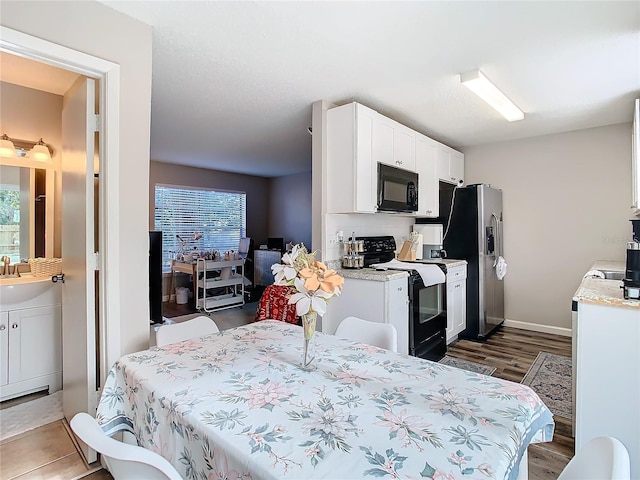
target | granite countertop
[
  {"x": 386, "y": 275},
  {"x": 372, "y": 274},
  {"x": 449, "y": 262},
  {"x": 599, "y": 291}
]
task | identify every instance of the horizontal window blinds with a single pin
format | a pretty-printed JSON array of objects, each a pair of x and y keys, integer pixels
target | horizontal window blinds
[{"x": 219, "y": 216}]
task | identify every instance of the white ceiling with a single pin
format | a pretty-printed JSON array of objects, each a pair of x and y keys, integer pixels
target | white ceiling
[{"x": 233, "y": 82}]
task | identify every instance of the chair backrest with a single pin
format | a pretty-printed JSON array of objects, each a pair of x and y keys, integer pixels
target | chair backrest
[
  {"x": 124, "y": 461},
  {"x": 383, "y": 335},
  {"x": 193, "y": 328},
  {"x": 604, "y": 458},
  {"x": 245, "y": 244}
]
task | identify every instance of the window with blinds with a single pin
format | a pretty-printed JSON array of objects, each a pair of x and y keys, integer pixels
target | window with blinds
[{"x": 219, "y": 216}]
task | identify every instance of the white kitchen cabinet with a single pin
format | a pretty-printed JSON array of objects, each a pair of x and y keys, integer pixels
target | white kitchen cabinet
[
  {"x": 350, "y": 166},
  {"x": 456, "y": 301},
  {"x": 376, "y": 301},
  {"x": 428, "y": 188},
  {"x": 31, "y": 350},
  {"x": 635, "y": 159},
  {"x": 449, "y": 164},
  {"x": 607, "y": 369},
  {"x": 225, "y": 279},
  {"x": 393, "y": 144}
]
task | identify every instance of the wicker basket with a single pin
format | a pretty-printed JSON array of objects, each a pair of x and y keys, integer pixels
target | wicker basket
[{"x": 45, "y": 267}]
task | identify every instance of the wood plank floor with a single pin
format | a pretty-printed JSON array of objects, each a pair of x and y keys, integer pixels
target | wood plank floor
[{"x": 510, "y": 350}]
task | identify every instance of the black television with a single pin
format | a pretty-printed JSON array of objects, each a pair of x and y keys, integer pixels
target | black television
[
  {"x": 155, "y": 277},
  {"x": 275, "y": 243}
]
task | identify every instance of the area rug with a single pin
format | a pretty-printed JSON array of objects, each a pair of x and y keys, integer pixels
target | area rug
[
  {"x": 467, "y": 365},
  {"x": 29, "y": 415},
  {"x": 550, "y": 377}
]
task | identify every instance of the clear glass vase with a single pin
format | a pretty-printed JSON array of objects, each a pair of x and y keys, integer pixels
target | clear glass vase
[{"x": 308, "y": 345}]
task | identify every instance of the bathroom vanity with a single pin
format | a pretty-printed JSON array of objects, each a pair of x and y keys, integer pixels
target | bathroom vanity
[{"x": 30, "y": 336}]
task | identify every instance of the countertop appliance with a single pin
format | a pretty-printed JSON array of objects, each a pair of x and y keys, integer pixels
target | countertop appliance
[
  {"x": 474, "y": 234},
  {"x": 397, "y": 189},
  {"x": 427, "y": 304},
  {"x": 631, "y": 281}
]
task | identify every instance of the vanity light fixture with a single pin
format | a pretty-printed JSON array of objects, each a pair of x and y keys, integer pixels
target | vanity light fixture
[
  {"x": 13, "y": 148},
  {"x": 40, "y": 152},
  {"x": 7, "y": 148},
  {"x": 487, "y": 91}
]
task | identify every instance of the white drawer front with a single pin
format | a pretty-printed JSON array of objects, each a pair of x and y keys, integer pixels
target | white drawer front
[{"x": 456, "y": 273}]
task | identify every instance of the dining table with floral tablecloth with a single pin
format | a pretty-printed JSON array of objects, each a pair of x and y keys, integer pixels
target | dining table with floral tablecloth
[{"x": 236, "y": 405}]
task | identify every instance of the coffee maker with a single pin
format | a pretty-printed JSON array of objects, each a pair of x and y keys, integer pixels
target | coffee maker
[{"x": 631, "y": 282}]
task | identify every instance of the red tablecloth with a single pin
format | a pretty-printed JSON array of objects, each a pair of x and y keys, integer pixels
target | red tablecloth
[{"x": 273, "y": 305}]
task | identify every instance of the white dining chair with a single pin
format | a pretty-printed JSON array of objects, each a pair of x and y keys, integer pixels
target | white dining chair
[
  {"x": 604, "y": 458},
  {"x": 193, "y": 328},
  {"x": 124, "y": 461},
  {"x": 383, "y": 335}
]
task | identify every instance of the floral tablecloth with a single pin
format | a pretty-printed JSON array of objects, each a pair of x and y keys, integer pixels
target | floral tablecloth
[{"x": 235, "y": 405}]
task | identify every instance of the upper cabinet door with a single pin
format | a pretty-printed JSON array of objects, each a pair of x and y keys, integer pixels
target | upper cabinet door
[
  {"x": 428, "y": 193},
  {"x": 394, "y": 144},
  {"x": 450, "y": 164},
  {"x": 350, "y": 169},
  {"x": 635, "y": 158}
]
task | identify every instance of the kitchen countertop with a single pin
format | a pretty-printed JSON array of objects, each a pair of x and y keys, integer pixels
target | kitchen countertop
[
  {"x": 449, "y": 262},
  {"x": 386, "y": 275},
  {"x": 599, "y": 291},
  {"x": 372, "y": 274}
]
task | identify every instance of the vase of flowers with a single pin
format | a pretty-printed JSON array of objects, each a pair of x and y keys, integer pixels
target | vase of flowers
[{"x": 315, "y": 284}]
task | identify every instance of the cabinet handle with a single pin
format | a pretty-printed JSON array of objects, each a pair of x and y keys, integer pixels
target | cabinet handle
[
  {"x": 3, "y": 327},
  {"x": 15, "y": 325},
  {"x": 453, "y": 178},
  {"x": 428, "y": 211}
]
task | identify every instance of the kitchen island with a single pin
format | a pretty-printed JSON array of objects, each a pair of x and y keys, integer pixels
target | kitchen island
[{"x": 606, "y": 363}]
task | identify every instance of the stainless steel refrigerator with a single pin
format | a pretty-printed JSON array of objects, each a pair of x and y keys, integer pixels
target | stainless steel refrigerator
[{"x": 474, "y": 234}]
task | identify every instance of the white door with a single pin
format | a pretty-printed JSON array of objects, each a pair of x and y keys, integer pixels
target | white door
[{"x": 78, "y": 252}]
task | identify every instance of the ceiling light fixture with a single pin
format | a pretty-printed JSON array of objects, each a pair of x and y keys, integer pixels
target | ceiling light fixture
[
  {"x": 487, "y": 91},
  {"x": 13, "y": 148}
]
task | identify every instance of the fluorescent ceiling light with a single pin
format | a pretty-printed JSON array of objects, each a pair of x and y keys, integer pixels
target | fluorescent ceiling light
[{"x": 487, "y": 91}]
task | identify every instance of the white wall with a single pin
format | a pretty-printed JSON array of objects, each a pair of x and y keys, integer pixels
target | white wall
[
  {"x": 97, "y": 30},
  {"x": 566, "y": 204}
]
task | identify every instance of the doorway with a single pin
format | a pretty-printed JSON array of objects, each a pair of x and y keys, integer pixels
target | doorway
[{"x": 102, "y": 349}]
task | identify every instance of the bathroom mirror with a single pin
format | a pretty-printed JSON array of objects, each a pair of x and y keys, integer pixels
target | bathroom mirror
[{"x": 26, "y": 212}]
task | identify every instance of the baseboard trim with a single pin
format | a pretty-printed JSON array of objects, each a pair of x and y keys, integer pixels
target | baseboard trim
[{"x": 537, "y": 327}]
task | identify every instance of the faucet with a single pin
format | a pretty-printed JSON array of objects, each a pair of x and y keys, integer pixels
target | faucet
[{"x": 6, "y": 261}]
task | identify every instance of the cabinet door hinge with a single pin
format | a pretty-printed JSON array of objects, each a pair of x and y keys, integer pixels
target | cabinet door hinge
[{"x": 98, "y": 123}]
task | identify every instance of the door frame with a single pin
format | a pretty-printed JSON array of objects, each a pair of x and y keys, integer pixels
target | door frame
[{"x": 108, "y": 75}]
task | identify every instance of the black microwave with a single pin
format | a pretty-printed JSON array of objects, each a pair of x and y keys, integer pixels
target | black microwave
[{"x": 397, "y": 189}]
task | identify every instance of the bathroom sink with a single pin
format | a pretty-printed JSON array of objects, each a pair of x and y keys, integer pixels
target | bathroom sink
[
  {"x": 612, "y": 275},
  {"x": 26, "y": 292}
]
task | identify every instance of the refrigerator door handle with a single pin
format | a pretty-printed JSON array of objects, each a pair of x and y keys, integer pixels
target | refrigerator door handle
[{"x": 497, "y": 251}]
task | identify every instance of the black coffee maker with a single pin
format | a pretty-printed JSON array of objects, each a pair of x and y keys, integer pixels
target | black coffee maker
[{"x": 631, "y": 282}]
